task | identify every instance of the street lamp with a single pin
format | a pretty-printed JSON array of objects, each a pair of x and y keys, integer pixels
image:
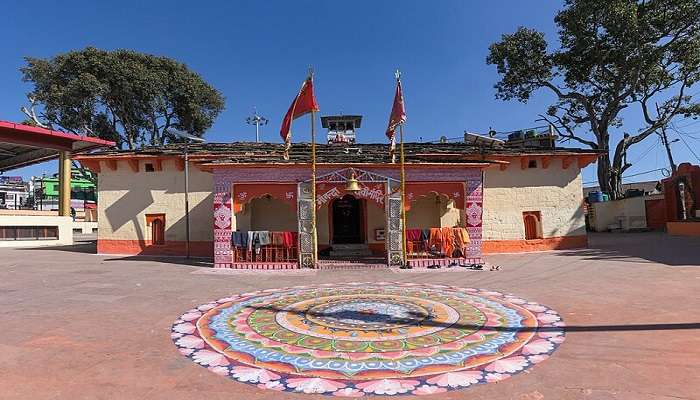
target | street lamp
[
  {"x": 187, "y": 138},
  {"x": 256, "y": 120}
]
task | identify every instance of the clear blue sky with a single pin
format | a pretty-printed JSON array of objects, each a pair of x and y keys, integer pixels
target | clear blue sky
[{"x": 257, "y": 53}]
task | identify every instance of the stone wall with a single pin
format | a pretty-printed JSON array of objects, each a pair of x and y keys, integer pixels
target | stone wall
[
  {"x": 126, "y": 197},
  {"x": 555, "y": 192}
]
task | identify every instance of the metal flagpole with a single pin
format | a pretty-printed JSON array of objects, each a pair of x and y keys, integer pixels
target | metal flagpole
[
  {"x": 403, "y": 201},
  {"x": 187, "y": 202},
  {"x": 313, "y": 180}
]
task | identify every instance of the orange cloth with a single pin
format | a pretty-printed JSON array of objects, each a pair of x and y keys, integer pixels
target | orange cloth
[
  {"x": 435, "y": 238},
  {"x": 462, "y": 240},
  {"x": 448, "y": 241}
]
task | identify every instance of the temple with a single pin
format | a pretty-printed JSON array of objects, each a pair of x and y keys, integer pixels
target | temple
[{"x": 249, "y": 207}]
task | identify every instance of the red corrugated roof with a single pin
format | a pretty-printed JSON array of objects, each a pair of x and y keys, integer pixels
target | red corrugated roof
[{"x": 22, "y": 145}]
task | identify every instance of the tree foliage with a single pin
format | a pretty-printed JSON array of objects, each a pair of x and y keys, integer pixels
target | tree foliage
[
  {"x": 612, "y": 55},
  {"x": 124, "y": 96}
]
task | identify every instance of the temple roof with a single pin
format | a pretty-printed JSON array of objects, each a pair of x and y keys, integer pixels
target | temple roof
[{"x": 361, "y": 153}]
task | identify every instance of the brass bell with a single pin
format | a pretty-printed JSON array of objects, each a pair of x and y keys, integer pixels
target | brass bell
[{"x": 352, "y": 185}]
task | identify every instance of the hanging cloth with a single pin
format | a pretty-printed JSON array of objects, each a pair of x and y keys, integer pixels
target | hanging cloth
[
  {"x": 448, "y": 244},
  {"x": 462, "y": 240},
  {"x": 265, "y": 238},
  {"x": 413, "y": 235},
  {"x": 435, "y": 240},
  {"x": 251, "y": 239},
  {"x": 277, "y": 238},
  {"x": 240, "y": 239}
]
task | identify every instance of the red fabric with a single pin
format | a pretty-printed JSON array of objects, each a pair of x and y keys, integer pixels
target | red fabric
[
  {"x": 290, "y": 239},
  {"x": 453, "y": 190},
  {"x": 245, "y": 192},
  {"x": 413, "y": 235},
  {"x": 398, "y": 112},
  {"x": 304, "y": 103}
]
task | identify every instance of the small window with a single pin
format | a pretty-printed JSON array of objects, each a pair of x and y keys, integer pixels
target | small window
[
  {"x": 532, "y": 164},
  {"x": 533, "y": 225},
  {"x": 149, "y": 167}
]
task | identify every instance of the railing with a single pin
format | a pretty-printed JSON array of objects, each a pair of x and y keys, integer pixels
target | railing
[
  {"x": 279, "y": 251},
  {"x": 268, "y": 253}
]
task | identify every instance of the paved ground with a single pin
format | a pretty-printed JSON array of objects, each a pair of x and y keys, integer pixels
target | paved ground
[{"x": 80, "y": 326}]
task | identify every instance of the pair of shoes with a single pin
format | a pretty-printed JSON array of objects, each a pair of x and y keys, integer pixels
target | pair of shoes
[{"x": 496, "y": 268}]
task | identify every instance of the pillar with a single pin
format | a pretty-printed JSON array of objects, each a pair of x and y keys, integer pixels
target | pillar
[{"x": 64, "y": 178}]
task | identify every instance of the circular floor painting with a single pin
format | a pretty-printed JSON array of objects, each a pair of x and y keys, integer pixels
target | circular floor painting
[{"x": 357, "y": 339}]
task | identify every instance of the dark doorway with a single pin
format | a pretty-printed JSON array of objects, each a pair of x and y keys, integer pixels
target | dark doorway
[{"x": 347, "y": 220}]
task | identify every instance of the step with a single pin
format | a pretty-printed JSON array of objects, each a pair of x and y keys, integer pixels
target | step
[
  {"x": 350, "y": 246},
  {"x": 346, "y": 265},
  {"x": 351, "y": 253}
]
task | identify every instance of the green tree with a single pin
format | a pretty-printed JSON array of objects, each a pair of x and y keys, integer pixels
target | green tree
[
  {"x": 612, "y": 55},
  {"x": 125, "y": 96}
]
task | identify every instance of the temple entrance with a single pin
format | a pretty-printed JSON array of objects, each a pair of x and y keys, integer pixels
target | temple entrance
[{"x": 347, "y": 220}]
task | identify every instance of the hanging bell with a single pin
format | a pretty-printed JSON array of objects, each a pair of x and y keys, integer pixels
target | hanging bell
[{"x": 352, "y": 185}]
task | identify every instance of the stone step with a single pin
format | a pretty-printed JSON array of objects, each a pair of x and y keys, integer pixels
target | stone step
[
  {"x": 341, "y": 265},
  {"x": 350, "y": 253},
  {"x": 350, "y": 250},
  {"x": 350, "y": 246}
]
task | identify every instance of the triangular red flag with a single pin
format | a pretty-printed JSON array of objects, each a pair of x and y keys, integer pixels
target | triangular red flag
[
  {"x": 304, "y": 103},
  {"x": 397, "y": 117}
]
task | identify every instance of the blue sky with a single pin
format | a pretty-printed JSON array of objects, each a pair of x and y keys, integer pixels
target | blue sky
[{"x": 257, "y": 53}]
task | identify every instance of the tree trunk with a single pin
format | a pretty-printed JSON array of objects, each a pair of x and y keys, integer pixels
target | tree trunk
[
  {"x": 619, "y": 166},
  {"x": 604, "y": 177}
]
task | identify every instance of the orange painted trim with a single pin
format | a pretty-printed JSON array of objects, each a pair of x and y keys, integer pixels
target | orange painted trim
[
  {"x": 545, "y": 162},
  {"x": 420, "y": 166},
  {"x": 111, "y": 164},
  {"x": 691, "y": 228},
  {"x": 158, "y": 164},
  {"x": 525, "y": 246},
  {"x": 180, "y": 164},
  {"x": 92, "y": 165},
  {"x": 134, "y": 164},
  {"x": 524, "y": 162},
  {"x": 567, "y": 161},
  {"x": 144, "y": 247}
]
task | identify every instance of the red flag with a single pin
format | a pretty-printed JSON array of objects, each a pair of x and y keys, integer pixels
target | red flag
[
  {"x": 304, "y": 103},
  {"x": 397, "y": 117}
]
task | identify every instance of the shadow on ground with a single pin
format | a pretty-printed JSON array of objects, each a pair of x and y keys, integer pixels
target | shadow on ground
[
  {"x": 192, "y": 262},
  {"x": 78, "y": 246},
  {"x": 418, "y": 319},
  {"x": 655, "y": 247}
]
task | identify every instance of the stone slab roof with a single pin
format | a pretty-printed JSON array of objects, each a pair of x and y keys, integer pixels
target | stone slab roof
[{"x": 370, "y": 153}]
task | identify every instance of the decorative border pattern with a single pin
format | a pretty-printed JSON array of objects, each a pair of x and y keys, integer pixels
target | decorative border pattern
[{"x": 228, "y": 338}]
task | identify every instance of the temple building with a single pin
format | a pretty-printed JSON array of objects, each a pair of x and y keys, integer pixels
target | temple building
[{"x": 249, "y": 207}]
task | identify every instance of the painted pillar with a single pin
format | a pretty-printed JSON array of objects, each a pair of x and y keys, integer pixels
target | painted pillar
[
  {"x": 64, "y": 178},
  {"x": 223, "y": 254}
]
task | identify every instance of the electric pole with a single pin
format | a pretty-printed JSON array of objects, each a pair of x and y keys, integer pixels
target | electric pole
[{"x": 256, "y": 120}]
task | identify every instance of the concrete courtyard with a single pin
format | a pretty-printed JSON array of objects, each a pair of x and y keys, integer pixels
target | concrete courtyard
[{"x": 81, "y": 326}]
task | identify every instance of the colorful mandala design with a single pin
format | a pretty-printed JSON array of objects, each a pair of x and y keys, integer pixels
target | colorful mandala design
[{"x": 357, "y": 339}]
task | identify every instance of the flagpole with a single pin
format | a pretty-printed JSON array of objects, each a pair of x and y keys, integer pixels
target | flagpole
[
  {"x": 403, "y": 201},
  {"x": 313, "y": 181}
]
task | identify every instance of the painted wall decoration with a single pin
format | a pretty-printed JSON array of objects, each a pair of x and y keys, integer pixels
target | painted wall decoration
[
  {"x": 370, "y": 338},
  {"x": 245, "y": 192},
  {"x": 325, "y": 192},
  {"x": 453, "y": 190}
]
